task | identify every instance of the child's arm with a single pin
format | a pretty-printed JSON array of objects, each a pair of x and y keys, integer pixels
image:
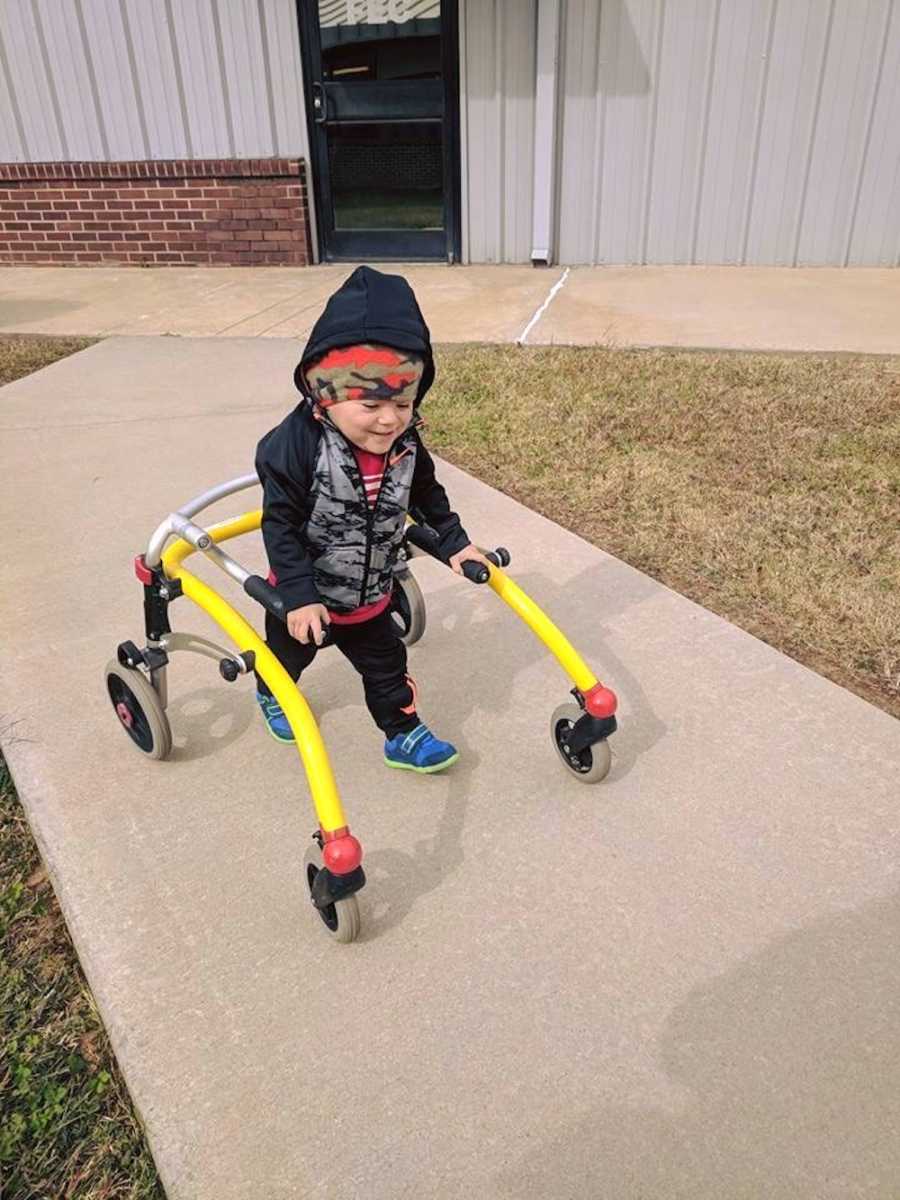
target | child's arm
[
  {"x": 284, "y": 513},
  {"x": 306, "y": 616},
  {"x": 428, "y": 502}
]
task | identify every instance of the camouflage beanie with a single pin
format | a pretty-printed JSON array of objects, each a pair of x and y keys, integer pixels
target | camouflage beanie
[{"x": 364, "y": 372}]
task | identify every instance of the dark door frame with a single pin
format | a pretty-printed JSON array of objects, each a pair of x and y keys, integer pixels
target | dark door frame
[{"x": 311, "y": 58}]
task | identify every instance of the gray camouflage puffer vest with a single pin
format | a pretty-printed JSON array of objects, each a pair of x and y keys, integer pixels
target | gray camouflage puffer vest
[{"x": 353, "y": 545}]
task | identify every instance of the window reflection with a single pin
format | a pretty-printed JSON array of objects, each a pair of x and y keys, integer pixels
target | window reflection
[{"x": 386, "y": 174}]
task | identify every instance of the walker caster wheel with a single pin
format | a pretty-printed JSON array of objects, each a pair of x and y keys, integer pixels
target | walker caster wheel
[
  {"x": 589, "y": 765},
  {"x": 341, "y": 919},
  {"x": 407, "y": 608},
  {"x": 138, "y": 708}
]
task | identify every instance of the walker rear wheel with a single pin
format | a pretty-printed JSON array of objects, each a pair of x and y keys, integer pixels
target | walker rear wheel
[
  {"x": 589, "y": 765},
  {"x": 138, "y": 708},
  {"x": 407, "y": 608},
  {"x": 341, "y": 919}
]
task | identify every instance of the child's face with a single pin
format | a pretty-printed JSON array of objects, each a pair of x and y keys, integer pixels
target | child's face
[
  {"x": 368, "y": 391},
  {"x": 372, "y": 425}
]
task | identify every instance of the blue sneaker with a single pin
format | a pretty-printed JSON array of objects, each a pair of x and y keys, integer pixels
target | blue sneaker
[
  {"x": 419, "y": 750},
  {"x": 276, "y": 721}
]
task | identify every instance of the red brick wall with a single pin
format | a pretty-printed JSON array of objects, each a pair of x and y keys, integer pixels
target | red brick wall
[{"x": 210, "y": 212}]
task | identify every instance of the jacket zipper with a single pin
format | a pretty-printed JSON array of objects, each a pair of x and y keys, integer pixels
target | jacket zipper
[{"x": 372, "y": 512}]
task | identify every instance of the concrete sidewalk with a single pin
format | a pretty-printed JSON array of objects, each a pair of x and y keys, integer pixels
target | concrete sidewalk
[
  {"x": 680, "y": 983},
  {"x": 762, "y": 308}
]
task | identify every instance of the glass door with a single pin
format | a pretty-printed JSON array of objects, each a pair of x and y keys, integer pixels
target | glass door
[{"x": 382, "y": 104}]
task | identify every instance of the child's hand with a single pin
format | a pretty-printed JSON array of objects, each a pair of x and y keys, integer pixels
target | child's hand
[
  {"x": 308, "y": 621},
  {"x": 469, "y": 554}
]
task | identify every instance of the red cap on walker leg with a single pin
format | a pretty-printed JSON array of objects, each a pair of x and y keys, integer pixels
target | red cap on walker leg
[
  {"x": 342, "y": 852},
  {"x": 600, "y": 701},
  {"x": 143, "y": 572}
]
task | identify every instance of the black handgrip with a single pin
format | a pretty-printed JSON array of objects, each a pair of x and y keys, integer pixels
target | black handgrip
[
  {"x": 425, "y": 539},
  {"x": 266, "y": 595},
  {"x": 478, "y": 572}
]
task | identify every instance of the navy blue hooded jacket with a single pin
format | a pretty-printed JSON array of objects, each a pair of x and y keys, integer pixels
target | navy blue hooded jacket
[{"x": 324, "y": 541}]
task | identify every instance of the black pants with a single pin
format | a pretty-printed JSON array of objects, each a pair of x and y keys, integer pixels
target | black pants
[{"x": 374, "y": 649}]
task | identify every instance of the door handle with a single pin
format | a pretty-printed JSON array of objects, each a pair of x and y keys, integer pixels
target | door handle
[{"x": 320, "y": 104}]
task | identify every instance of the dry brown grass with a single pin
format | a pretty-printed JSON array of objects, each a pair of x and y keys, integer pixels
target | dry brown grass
[
  {"x": 67, "y": 1126},
  {"x": 20, "y": 354},
  {"x": 765, "y": 487}
]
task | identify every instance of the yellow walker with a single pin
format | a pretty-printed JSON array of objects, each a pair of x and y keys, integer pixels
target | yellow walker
[{"x": 136, "y": 678}]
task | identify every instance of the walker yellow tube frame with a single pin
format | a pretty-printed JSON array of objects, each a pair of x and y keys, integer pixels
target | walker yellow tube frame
[
  {"x": 574, "y": 731},
  {"x": 299, "y": 715},
  {"x": 599, "y": 700},
  {"x": 136, "y": 679}
]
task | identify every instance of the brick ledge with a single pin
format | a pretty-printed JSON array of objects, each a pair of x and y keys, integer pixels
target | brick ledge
[{"x": 174, "y": 168}]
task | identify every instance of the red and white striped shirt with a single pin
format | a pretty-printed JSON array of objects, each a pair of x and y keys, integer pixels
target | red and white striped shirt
[{"x": 371, "y": 468}]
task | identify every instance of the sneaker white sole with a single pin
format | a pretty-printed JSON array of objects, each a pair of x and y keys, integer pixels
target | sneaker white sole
[
  {"x": 442, "y": 766},
  {"x": 288, "y": 741}
]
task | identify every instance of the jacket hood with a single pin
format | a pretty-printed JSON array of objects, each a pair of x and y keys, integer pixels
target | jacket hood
[{"x": 370, "y": 307}]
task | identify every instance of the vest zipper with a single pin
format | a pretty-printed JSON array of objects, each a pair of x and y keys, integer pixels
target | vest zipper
[{"x": 371, "y": 509}]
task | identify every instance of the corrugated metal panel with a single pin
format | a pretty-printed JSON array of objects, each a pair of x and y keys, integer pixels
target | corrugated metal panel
[
  {"x": 126, "y": 79},
  {"x": 607, "y": 116},
  {"x": 579, "y": 124},
  {"x": 207, "y": 100},
  {"x": 245, "y": 72},
  {"x": 716, "y": 131},
  {"x": 12, "y": 132},
  {"x": 684, "y": 68},
  {"x": 27, "y": 78},
  {"x": 73, "y": 85},
  {"x": 734, "y": 107},
  {"x": 287, "y": 78},
  {"x": 874, "y": 233},
  {"x": 845, "y": 104},
  {"x": 497, "y": 117},
  {"x": 802, "y": 35},
  {"x": 111, "y": 51},
  {"x": 158, "y": 73}
]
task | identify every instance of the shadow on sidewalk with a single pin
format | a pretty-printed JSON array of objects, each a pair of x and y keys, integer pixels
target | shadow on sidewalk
[{"x": 783, "y": 1077}]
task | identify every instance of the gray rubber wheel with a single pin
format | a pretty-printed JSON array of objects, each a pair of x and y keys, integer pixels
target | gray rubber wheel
[
  {"x": 592, "y": 764},
  {"x": 138, "y": 709},
  {"x": 408, "y": 608},
  {"x": 341, "y": 919}
]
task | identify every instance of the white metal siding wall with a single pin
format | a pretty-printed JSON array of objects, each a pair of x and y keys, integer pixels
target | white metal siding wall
[
  {"x": 145, "y": 79},
  {"x": 730, "y": 131},
  {"x": 497, "y": 83}
]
